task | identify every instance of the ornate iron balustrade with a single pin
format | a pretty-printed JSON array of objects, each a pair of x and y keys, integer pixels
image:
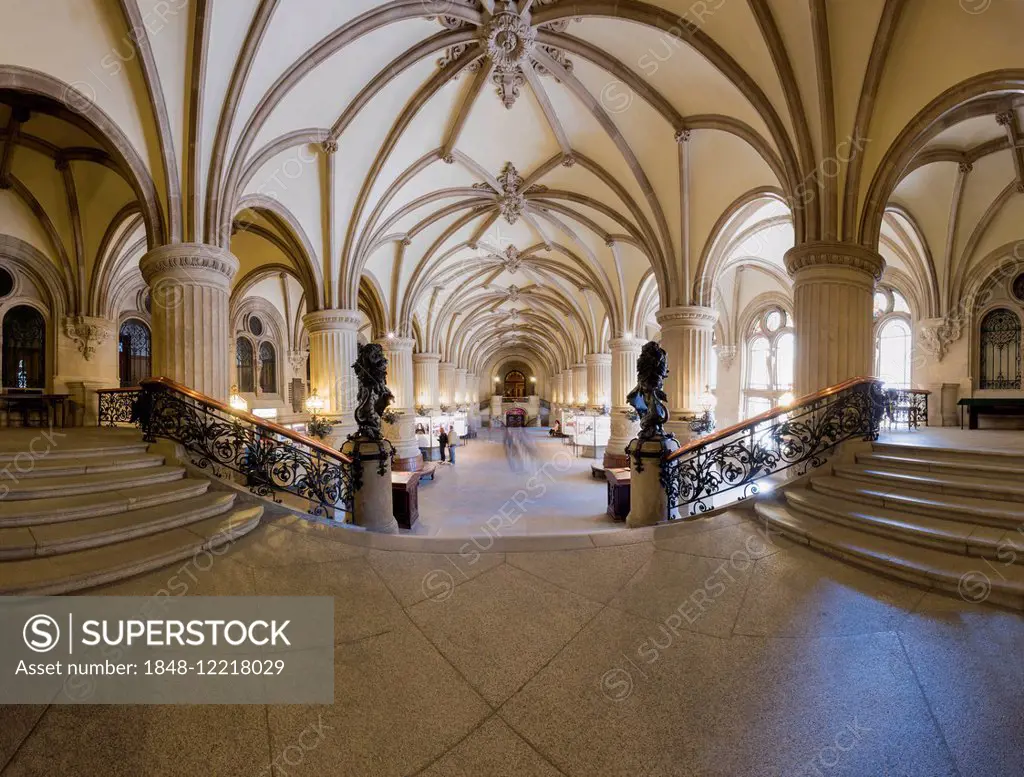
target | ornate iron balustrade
[
  {"x": 907, "y": 406},
  {"x": 116, "y": 406},
  {"x": 271, "y": 458},
  {"x": 802, "y": 435}
]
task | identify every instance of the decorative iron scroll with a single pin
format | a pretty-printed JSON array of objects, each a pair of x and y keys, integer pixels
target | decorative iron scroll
[
  {"x": 803, "y": 436},
  {"x": 218, "y": 438},
  {"x": 117, "y": 406},
  {"x": 907, "y": 407}
]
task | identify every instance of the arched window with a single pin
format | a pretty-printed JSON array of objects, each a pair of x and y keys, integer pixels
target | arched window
[
  {"x": 515, "y": 384},
  {"x": 769, "y": 351},
  {"x": 893, "y": 338},
  {"x": 245, "y": 361},
  {"x": 1000, "y": 350},
  {"x": 134, "y": 353},
  {"x": 268, "y": 369},
  {"x": 24, "y": 348}
]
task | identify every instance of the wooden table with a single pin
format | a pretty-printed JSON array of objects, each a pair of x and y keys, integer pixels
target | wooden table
[
  {"x": 48, "y": 402},
  {"x": 988, "y": 406},
  {"x": 405, "y": 496},
  {"x": 618, "y": 492}
]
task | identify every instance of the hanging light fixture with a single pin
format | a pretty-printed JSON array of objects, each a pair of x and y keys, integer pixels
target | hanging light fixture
[
  {"x": 236, "y": 401},
  {"x": 314, "y": 403}
]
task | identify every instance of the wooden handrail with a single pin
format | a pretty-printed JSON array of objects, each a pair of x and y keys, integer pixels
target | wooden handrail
[
  {"x": 242, "y": 415},
  {"x": 768, "y": 415},
  {"x": 128, "y": 390}
]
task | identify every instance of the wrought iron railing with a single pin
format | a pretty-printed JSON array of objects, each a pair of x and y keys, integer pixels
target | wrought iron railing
[
  {"x": 907, "y": 407},
  {"x": 272, "y": 459},
  {"x": 728, "y": 465},
  {"x": 116, "y": 406}
]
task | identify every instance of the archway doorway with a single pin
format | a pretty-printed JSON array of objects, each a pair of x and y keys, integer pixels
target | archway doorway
[
  {"x": 134, "y": 353},
  {"x": 515, "y": 385},
  {"x": 24, "y": 349}
]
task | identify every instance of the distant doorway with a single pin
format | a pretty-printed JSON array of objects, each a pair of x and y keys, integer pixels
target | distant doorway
[
  {"x": 515, "y": 385},
  {"x": 515, "y": 418},
  {"x": 134, "y": 353}
]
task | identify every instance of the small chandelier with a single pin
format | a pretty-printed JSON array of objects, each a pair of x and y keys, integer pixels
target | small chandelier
[
  {"x": 314, "y": 403},
  {"x": 236, "y": 401}
]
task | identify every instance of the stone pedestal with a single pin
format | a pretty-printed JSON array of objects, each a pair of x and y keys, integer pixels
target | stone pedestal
[
  {"x": 686, "y": 336},
  {"x": 833, "y": 290},
  {"x": 426, "y": 380},
  {"x": 83, "y": 392},
  {"x": 648, "y": 500},
  {"x": 373, "y": 507},
  {"x": 402, "y": 433},
  {"x": 333, "y": 349},
  {"x": 625, "y": 352},
  {"x": 190, "y": 287}
]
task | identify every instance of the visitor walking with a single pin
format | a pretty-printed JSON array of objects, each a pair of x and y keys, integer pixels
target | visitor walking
[
  {"x": 442, "y": 442},
  {"x": 453, "y": 443}
]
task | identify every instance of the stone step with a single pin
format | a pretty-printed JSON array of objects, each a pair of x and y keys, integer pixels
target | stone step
[
  {"x": 1005, "y": 458},
  {"x": 21, "y": 451},
  {"x": 988, "y": 512},
  {"x": 70, "y": 536},
  {"x": 971, "y": 468},
  {"x": 87, "y": 465},
  {"x": 952, "y": 536},
  {"x": 35, "y": 512},
  {"x": 946, "y": 484},
  {"x": 54, "y": 575},
  {"x": 971, "y": 578},
  {"x": 42, "y": 488}
]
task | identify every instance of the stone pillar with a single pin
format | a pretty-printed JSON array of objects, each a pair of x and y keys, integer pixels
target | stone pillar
[
  {"x": 373, "y": 506},
  {"x": 426, "y": 380},
  {"x": 496, "y": 415},
  {"x": 599, "y": 379},
  {"x": 625, "y": 353},
  {"x": 333, "y": 349},
  {"x": 833, "y": 290},
  {"x": 556, "y": 391},
  {"x": 460, "y": 387},
  {"x": 402, "y": 433},
  {"x": 579, "y": 383},
  {"x": 686, "y": 336},
  {"x": 190, "y": 286},
  {"x": 472, "y": 399},
  {"x": 568, "y": 390},
  {"x": 446, "y": 383}
]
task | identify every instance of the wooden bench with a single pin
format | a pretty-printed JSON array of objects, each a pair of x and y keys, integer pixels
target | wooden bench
[
  {"x": 976, "y": 406},
  {"x": 428, "y": 471}
]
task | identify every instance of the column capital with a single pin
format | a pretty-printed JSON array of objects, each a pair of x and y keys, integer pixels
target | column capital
[
  {"x": 687, "y": 317},
  {"x": 191, "y": 263},
  {"x": 627, "y": 343},
  {"x": 599, "y": 359},
  {"x": 828, "y": 257},
  {"x": 331, "y": 320},
  {"x": 446, "y": 366},
  {"x": 396, "y": 343},
  {"x": 426, "y": 358}
]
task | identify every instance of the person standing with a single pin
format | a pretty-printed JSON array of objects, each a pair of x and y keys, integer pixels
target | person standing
[
  {"x": 453, "y": 443},
  {"x": 442, "y": 441}
]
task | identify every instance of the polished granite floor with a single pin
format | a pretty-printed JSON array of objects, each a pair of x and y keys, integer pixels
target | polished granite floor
[{"x": 700, "y": 649}]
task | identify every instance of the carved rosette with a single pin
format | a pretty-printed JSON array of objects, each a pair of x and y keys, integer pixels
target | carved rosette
[
  {"x": 512, "y": 295},
  {"x": 512, "y": 260},
  {"x": 513, "y": 199},
  {"x": 937, "y": 334},
  {"x": 88, "y": 333}
]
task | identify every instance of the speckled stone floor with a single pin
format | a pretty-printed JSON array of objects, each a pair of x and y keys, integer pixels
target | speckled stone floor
[{"x": 704, "y": 649}]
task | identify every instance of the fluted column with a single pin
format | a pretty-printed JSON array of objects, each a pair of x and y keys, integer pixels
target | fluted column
[
  {"x": 579, "y": 382},
  {"x": 402, "y": 433},
  {"x": 625, "y": 353},
  {"x": 333, "y": 349},
  {"x": 686, "y": 336},
  {"x": 426, "y": 381},
  {"x": 599, "y": 378},
  {"x": 190, "y": 287},
  {"x": 472, "y": 399},
  {"x": 446, "y": 383},
  {"x": 568, "y": 390},
  {"x": 833, "y": 290},
  {"x": 460, "y": 386}
]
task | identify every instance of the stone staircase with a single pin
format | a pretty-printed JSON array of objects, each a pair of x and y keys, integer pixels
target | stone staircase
[
  {"x": 947, "y": 519},
  {"x": 97, "y": 507}
]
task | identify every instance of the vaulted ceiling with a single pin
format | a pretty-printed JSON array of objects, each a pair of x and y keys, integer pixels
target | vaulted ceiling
[{"x": 526, "y": 177}]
